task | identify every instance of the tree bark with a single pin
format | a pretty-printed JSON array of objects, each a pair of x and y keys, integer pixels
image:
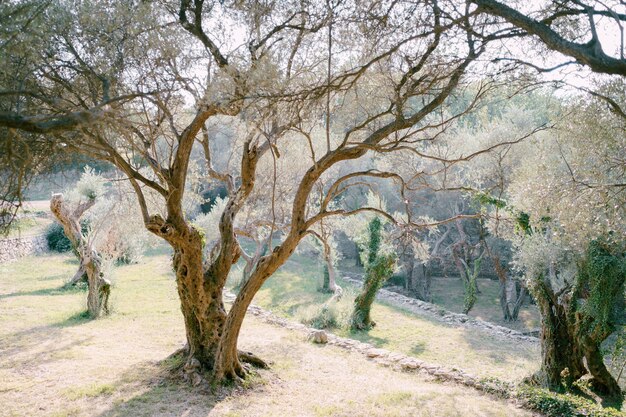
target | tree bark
[
  {"x": 79, "y": 276},
  {"x": 422, "y": 282},
  {"x": 562, "y": 362},
  {"x": 331, "y": 286},
  {"x": 361, "y": 317},
  {"x": 504, "y": 304},
  {"x": 602, "y": 378},
  {"x": 521, "y": 297},
  {"x": 90, "y": 261},
  {"x": 201, "y": 304}
]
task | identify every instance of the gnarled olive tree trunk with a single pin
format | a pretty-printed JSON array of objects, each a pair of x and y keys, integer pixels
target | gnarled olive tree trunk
[
  {"x": 571, "y": 336},
  {"x": 420, "y": 282},
  {"x": 417, "y": 281},
  {"x": 90, "y": 261},
  {"x": 561, "y": 362}
]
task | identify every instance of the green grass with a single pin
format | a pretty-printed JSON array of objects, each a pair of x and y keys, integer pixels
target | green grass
[
  {"x": 448, "y": 293},
  {"x": 293, "y": 289},
  {"x": 90, "y": 391}
]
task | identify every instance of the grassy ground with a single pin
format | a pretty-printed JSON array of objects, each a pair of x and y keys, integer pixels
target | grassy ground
[
  {"x": 55, "y": 362},
  {"x": 448, "y": 293},
  {"x": 293, "y": 289}
]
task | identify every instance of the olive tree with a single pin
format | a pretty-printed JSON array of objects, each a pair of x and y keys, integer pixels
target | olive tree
[
  {"x": 138, "y": 85},
  {"x": 570, "y": 201}
]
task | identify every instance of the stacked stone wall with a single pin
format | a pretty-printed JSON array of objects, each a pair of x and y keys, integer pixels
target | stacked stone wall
[{"x": 18, "y": 247}]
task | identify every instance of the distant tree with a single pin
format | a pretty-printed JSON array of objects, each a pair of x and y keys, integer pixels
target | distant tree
[
  {"x": 379, "y": 265},
  {"x": 69, "y": 215}
]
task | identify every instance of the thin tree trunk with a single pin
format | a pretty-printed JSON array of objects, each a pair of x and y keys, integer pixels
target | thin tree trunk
[
  {"x": 358, "y": 262},
  {"x": 332, "y": 274},
  {"x": 80, "y": 275},
  {"x": 504, "y": 304},
  {"x": 504, "y": 281},
  {"x": 251, "y": 262},
  {"x": 521, "y": 297},
  {"x": 427, "y": 284},
  {"x": 90, "y": 261}
]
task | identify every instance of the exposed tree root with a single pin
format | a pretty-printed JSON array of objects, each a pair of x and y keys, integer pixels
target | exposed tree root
[{"x": 252, "y": 359}]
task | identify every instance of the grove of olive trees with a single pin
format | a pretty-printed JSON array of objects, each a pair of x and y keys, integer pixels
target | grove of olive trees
[{"x": 467, "y": 136}]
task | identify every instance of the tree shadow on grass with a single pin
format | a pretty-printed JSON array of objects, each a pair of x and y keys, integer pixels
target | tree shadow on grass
[
  {"x": 499, "y": 349},
  {"x": 418, "y": 349},
  {"x": 39, "y": 345},
  {"x": 63, "y": 290},
  {"x": 364, "y": 336},
  {"x": 151, "y": 389},
  {"x": 586, "y": 390}
]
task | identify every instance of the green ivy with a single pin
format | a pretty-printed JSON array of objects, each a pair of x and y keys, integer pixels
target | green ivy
[
  {"x": 601, "y": 275},
  {"x": 471, "y": 288},
  {"x": 378, "y": 270},
  {"x": 485, "y": 199}
]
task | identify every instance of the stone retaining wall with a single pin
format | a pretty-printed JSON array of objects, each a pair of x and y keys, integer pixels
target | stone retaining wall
[
  {"x": 424, "y": 308},
  {"x": 395, "y": 360},
  {"x": 15, "y": 248}
]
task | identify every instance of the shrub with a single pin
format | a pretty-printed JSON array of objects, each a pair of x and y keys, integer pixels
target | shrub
[
  {"x": 321, "y": 317},
  {"x": 57, "y": 241},
  {"x": 398, "y": 280},
  {"x": 563, "y": 405},
  {"x": 333, "y": 314}
]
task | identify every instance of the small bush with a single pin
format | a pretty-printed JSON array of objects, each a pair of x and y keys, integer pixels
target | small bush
[
  {"x": 322, "y": 317},
  {"x": 563, "y": 405},
  {"x": 333, "y": 314},
  {"x": 57, "y": 241},
  {"x": 398, "y": 280}
]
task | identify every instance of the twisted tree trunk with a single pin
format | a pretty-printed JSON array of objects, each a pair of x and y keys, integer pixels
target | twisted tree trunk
[
  {"x": 90, "y": 261},
  {"x": 561, "y": 362},
  {"x": 565, "y": 347}
]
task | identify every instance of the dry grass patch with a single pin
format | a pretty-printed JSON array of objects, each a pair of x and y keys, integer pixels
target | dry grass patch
[
  {"x": 55, "y": 362},
  {"x": 292, "y": 292}
]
